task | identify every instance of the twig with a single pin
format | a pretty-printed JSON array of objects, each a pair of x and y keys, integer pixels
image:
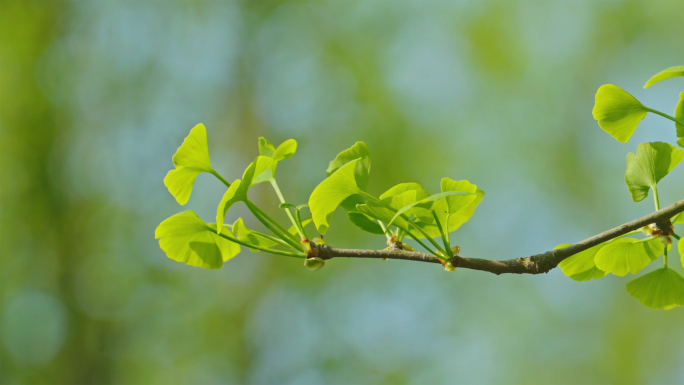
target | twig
[{"x": 536, "y": 264}]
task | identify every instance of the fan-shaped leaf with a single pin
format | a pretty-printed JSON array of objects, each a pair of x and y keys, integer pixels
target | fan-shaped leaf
[
  {"x": 468, "y": 198},
  {"x": 188, "y": 239},
  {"x": 191, "y": 159},
  {"x": 618, "y": 113},
  {"x": 628, "y": 255},
  {"x": 331, "y": 192},
  {"x": 266, "y": 149},
  {"x": 660, "y": 289},
  {"x": 650, "y": 164},
  {"x": 359, "y": 151},
  {"x": 581, "y": 266},
  {"x": 665, "y": 74}
]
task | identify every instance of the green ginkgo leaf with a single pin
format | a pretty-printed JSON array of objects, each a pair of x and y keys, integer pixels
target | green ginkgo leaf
[
  {"x": 679, "y": 115},
  {"x": 618, "y": 113},
  {"x": 628, "y": 255},
  {"x": 581, "y": 266},
  {"x": 190, "y": 160},
  {"x": 457, "y": 218},
  {"x": 659, "y": 289},
  {"x": 467, "y": 198},
  {"x": 665, "y": 74},
  {"x": 593, "y": 273},
  {"x": 382, "y": 211},
  {"x": 186, "y": 238},
  {"x": 358, "y": 151},
  {"x": 238, "y": 189},
  {"x": 286, "y": 150},
  {"x": 365, "y": 223},
  {"x": 250, "y": 236},
  {"x": 652, "y": 162},
  {"x": 331, "y": 192},
  {"x": 677, "y": 219}
]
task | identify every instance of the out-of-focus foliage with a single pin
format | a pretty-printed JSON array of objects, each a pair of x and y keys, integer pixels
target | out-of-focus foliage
[{"x": 101, "y": 94}]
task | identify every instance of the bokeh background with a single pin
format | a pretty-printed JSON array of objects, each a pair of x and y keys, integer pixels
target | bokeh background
[{"x": 95, "y": 97}]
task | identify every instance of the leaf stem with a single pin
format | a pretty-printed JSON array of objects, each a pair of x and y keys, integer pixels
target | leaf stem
[
  {"x": 441, "y": 232},
  {"x": 655, "y": 197},
  {"x": 217, "y": 175},
  {"x": 384, "y": 229},
  {"x": 295, "y": 223},
  {"x": 665, "y": 116},
  {"x": 665, "y": 254},
  {"x": 676, "y": 236},
  {"x": 429, "y": 238},
  {"x": 278, "y": 252},
  {"x": 273, "y": 226}
]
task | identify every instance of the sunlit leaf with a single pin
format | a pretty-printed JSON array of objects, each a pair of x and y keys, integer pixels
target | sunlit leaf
[
  {"x": 238, "y": 190},
  {"x": 359, "y": 151},
  {"x": 382, "y": 211},
  {"x": 593, "y": 273},
  {"x": 679, "y": 218},
  {"x": 250, "y": 236},
  {"x": 618, "y": 113},
  {"x": 628, "y": 255},
  {"x": 401, "y": 188},
  {"x": 680, "y": 142},
  {"x": 266, "y": 149},
  {"x": 191, "y": 159},
  {"x": 365, "y": 223},
  {"x": 330, "y": 193},
  {"x": 187, "y": 238},
  {"x": 581, "y": 266},
  {"x": 467, "y": 199},
  {"x": 660, "y": 289},
  {"x": 665, "y": 74},
  {"x": 650, "y": 164}
]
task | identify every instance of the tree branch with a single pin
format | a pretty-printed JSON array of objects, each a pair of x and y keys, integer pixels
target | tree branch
[{"x": 536, "y": 264}]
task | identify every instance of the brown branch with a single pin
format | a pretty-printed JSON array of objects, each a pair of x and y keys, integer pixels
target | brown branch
[{"x": 536, "y": 264}]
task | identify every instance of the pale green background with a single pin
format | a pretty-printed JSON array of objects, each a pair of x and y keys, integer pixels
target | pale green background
[{"x": 95, "y": 96}]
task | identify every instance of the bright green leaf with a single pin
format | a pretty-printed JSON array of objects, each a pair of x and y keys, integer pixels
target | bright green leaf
[
  {"x": 593, "y": 273},
  {"x": 628, "y": 255},
  {"x": 232, "y": 196},
  {"x": 581, "y": 266},
  {"x": 330, "y": 193},
  {"x": 293, "y": 230},
  {"x": 364, "y": 223},
  {"x": 404, "y": 187},
  {"x": 665, "y": 74},
  {"x": 677, "y": 219},
  {"x": 266, "y": 148},
  {"x": 467, "y": 199},
  {"x": 660, "y": 289},
  {"x": 650, "y": 164},
  {"x": 250, "y": 236},
  {"x": 359, "y": 151},
  {"x": 618, "y": 113},
  {"x": 382, "y": 211},
  {"x": 680, "y": 142},
  {"x": 285, "y": 150},
  {"x": 186, "y": 238},
  {"x": 191, "y": 159},
  {"x": 680, "y": 249},
  {"x": 287, "y": 206}
]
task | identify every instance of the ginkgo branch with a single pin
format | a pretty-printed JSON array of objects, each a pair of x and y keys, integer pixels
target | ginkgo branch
[{"x": 536, "y": 264}]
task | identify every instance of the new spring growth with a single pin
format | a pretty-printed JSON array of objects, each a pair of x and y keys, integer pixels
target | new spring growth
[{"x": 312, "y": 261}]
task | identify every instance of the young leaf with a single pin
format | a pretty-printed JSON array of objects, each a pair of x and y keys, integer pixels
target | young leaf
[
  {"x": 628, "y": 255},
  {"x": 618, "y": 113},
  {"x": 665, "y": 74},
  {"x": 581, "y": 266},
  {"x": 293, "y": 230},
  {"x": 401, "y": 188},
  {"x": 191, "y": 159},
  {"x": 250, "y": 236},
  {"x": 331, "y": 192},
  {"x": 359, "y": 151},
  {"x": 186, "y": 238},
  {"x": 677, "y": 219},
  {"x": 466, "y": 198},
  {"x": 650, "y": 164},
  {"x": 680, "y": 249},
  {"x": 364, "y": 223},
  {"x": 679, "y": 115},
  {"x": 238, "y": 190},
  {"x": 266, "y": 149},
  {"x": 456, "y": 219},
  {"x": 660, "y": 289}
]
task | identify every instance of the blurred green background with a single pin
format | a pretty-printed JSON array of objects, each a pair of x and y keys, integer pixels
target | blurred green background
[{"x": 95, "y": 97}]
